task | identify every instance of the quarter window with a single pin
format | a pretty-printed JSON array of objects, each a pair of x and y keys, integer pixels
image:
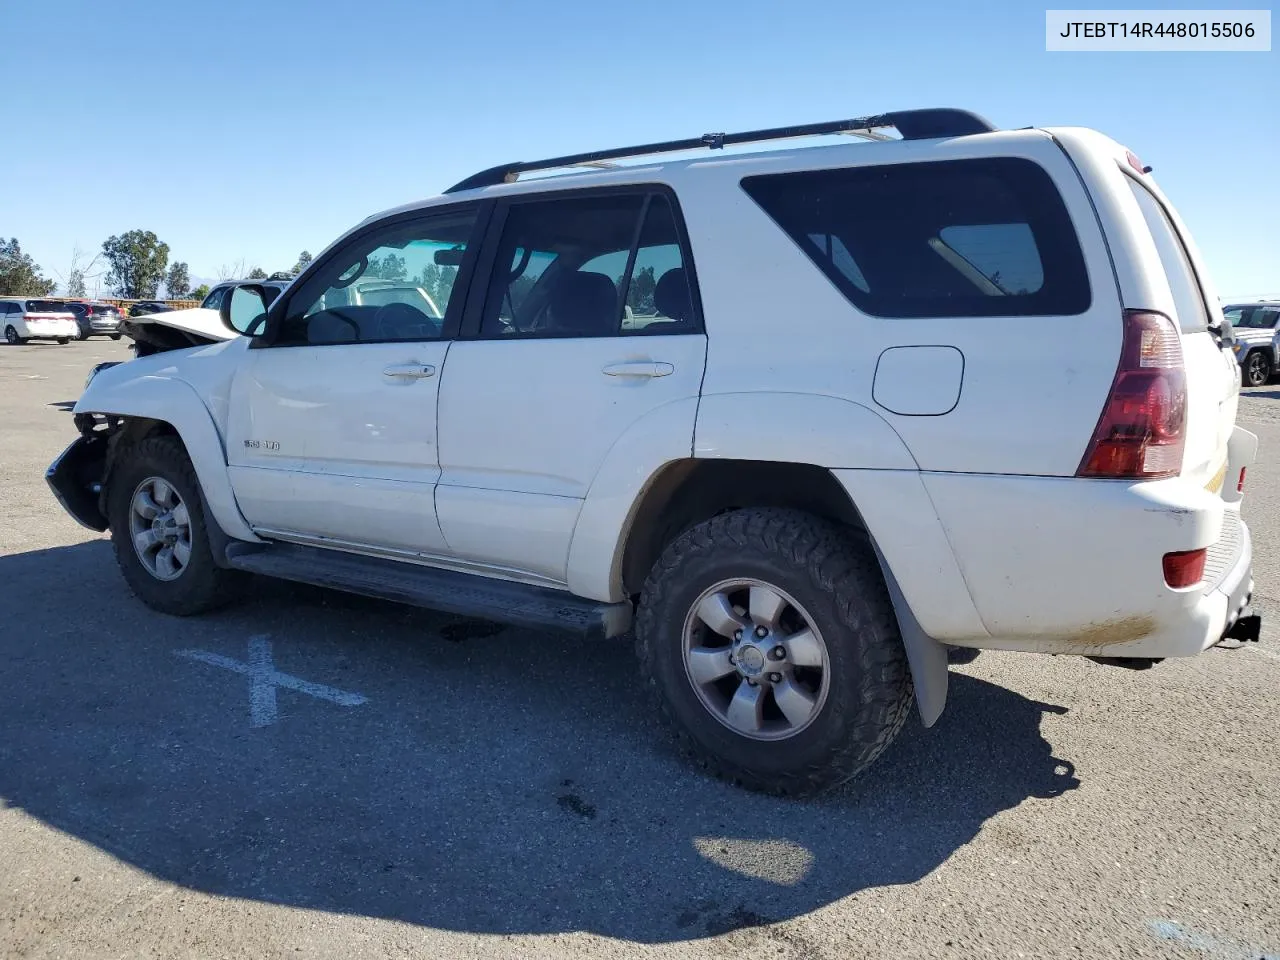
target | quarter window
[
  {"x": 952, "y": 238},
  {"x": 394, "y": 284},
  {"x": 589, "y": 266}
]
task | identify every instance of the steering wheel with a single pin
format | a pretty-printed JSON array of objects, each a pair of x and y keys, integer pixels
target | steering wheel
[{"x": 395, "y": 321}]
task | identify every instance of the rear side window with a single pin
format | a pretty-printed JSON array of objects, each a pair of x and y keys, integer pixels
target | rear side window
[
  {"x": 957, "y": 238},
  {"x": 1188, "y": 299}
]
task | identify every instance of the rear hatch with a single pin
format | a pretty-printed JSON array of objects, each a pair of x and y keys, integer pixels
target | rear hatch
[
  {"x": 1213, "y": 377},
  {"x": 1159, "y": 269}
]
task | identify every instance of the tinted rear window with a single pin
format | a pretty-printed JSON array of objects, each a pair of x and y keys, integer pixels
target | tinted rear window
[
  {"x": 104, "y": 311},
  {"x": 47, "y": 306},
  {"x": 954, "y": 238}
]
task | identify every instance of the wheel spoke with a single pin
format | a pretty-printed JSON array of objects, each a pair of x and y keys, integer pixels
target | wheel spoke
[
  {"x": 746, "y": 709},
  {"x": 180, "y": 515},
  {"x": 718, "y": 614},
  {"x": 796, "y": 704},
  {"x": 144, "y": 506},
  {"x": 182, "y": 552},
  {"x": 146, "y": 541},
  {"x": 162, "y": 491},
  {"x": 708, "y": 664},
  {"x": 165, "y": 565},
  {"x": 766, "y": 606},
  {"x": 804, "y": 649}
]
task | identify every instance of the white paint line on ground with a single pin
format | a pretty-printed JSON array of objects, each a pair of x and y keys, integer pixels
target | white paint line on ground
[
  {"x": 1215, "y": 947},
  {"x": 264, "y": 679}
]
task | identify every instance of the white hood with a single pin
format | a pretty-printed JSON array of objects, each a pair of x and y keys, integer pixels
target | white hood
[{"x": 198, "y": 320}]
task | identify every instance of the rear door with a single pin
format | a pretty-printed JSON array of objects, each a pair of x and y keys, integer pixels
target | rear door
[{"x": 585, "y": 325}]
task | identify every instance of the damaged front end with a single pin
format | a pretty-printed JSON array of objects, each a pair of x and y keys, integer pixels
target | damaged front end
[{"x": 78, "y": 476}]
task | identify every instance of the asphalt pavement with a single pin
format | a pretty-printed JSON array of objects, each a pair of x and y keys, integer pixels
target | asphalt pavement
[{"x": 310, "y": 774}]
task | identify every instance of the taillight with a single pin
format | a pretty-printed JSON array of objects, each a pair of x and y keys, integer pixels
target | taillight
[
  {"x": 1141, "y": 432},
  {"x": 1240, "y": 482},
  {"x": 1184, "y": 568}
]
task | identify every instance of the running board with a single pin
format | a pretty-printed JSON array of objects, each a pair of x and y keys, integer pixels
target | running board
[{"x": 466, "y": 594}]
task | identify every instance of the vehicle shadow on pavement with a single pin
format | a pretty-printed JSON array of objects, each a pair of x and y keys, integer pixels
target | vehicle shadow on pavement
[{"x": 494, "y": 781}]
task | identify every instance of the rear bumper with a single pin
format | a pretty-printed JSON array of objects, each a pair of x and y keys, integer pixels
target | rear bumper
[{"x": 52, "y": 330}]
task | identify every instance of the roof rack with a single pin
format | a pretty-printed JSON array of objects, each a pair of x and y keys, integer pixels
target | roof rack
[{"x": 910, "y": 124}]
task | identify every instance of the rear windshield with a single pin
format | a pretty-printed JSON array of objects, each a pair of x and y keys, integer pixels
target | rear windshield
[
  {"x": 945, "y": 239},
  {"x": 104, "y": 310},
  {"x": 1188, "y": 298},
  {"x": 47, "y": 306}
]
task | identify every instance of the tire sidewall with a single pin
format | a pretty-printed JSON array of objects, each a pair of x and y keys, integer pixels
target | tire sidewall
[
  {"x": 156, "y": 458},
  {"x": 829, "y": 732},
  {"x": 1265, "y": 365}
]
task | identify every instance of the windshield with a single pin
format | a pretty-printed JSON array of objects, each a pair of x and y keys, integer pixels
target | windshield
[{"x": 1258, "y": 318}]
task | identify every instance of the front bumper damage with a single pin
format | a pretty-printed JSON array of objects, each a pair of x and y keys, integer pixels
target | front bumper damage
[{"x": 76, "y": 479}]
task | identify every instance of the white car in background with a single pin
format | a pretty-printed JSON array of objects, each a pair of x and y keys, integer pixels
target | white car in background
[{"x": 24, "y": 319}]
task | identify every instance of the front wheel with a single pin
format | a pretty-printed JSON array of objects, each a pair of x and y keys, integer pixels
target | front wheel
[
  {"x": 1257, "y": 369},
  {"x": 115, "y": 336},
  {"x": 159, "y": 534},
  {"x": 11, "y": 336},
  {"x": 771, "y": 645}
]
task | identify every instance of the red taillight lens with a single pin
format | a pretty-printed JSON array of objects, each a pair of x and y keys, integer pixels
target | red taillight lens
[
  {"x": 1240, "y": 482},
  {"x": 1184, "y": 568},
  {"x": 1141, "y": 431}
]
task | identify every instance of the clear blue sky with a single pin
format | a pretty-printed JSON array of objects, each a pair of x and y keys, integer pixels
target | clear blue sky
[{"x": 252, "y": 130}]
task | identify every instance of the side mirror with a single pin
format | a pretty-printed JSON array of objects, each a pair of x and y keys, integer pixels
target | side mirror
[{"x": 244, "y": 311}]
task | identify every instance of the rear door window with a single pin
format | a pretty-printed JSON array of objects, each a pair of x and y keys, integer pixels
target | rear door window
[
  {"x": 953, "y": 238},
  {"x": 1188, "y": 299}
]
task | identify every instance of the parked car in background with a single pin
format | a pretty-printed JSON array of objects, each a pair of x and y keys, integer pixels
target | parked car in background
[
  {"x": 1257, "y": 331},
  {"x": 26, "y": 319},
  {"x": 145, "y": 307},
  {"x": 96, "y": 319}
]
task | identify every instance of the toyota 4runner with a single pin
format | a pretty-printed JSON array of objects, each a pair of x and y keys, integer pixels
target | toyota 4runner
[{"x": 759, "y": 409}]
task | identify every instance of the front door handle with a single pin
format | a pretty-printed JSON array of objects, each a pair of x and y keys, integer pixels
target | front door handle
[
  {"x": 639, "y": 368},
  {"x": 410, "y": 371}
]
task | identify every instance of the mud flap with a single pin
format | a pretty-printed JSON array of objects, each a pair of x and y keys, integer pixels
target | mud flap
[{"x": 925, "y": 655}]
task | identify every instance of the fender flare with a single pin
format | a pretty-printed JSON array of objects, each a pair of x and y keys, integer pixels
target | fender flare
[{"x": 176, "y": 403}]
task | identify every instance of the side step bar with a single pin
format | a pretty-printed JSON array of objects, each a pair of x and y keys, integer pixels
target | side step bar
[{"x": 421, "y": 586}]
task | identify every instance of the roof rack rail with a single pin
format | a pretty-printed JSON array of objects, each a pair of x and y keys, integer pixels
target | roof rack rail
[{"x": 910, "y": 124}]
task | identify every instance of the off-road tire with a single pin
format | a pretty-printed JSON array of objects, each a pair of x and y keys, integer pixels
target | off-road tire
[
  {"x": 11, "y": 336},
  {"x": 835, "y": 576},
  {"x": 202, "y": 585}
]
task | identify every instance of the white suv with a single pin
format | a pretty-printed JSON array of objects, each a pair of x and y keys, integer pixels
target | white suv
[
  {"x": 23, "y": 319},
  {"x": 762, "y": 409}
]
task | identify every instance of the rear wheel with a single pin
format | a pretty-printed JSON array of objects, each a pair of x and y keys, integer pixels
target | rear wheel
[
  {"x": 115, "y": 336},
  {"x": 771, "y": 646},
  {"x": 83, "y": 335},
  {"x": 64, "y": 340},
  {"x": 11, "y": 336},
  {"x": 1257, "y": 369},
  {"x": 159, "y": 534}
]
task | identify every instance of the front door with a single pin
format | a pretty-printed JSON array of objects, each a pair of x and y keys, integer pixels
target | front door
[
  {"x": 586, "y": 325},
  {"x": 332, "y": 426}
]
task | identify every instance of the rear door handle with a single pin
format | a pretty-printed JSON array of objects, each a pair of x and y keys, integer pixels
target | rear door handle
[
  {"x": 410, "y": 371},
  {"x": 639, "y": 368}
]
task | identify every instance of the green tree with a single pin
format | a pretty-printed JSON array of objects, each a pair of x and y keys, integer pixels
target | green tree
[
  {"x": 177, "y": 282},
  {"x": 137, "y": 261},
  {"x": 304, "y": 258},
  {"x": 75, "y": 284},
  {"x": 200, "y": 292},
  {"x": 19, "y": 274},
  {"x": 389, "y": 267},
  {"x": 257, "y": 273},
  {"x": 640, "y": 293}
]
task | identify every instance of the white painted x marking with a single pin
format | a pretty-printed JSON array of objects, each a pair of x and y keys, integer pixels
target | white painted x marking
[{"x": 264, "y": 678}]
